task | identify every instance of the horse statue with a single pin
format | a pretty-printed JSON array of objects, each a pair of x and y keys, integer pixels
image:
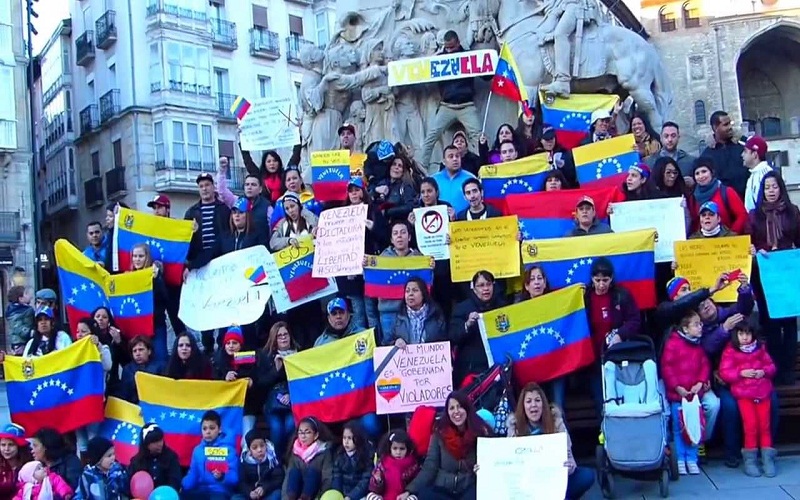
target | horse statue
[{"x": 610, "y": 59}]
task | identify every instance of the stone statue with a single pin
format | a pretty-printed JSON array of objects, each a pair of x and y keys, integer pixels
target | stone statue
[
  {"x": 357, "y": 115},
  {"x": 312, "y": 98}
]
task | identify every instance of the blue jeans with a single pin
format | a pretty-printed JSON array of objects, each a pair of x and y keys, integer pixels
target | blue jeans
[
  {"x": 731, "y": 422},
  {"x": 556, "y": 390},
  {"x": 387, "y": 324},
  {"x": 281, "y": 428},
  {"x": 160, "y": 351},
  {"x": 371, "y": 312},
  {"x": 683, "y": 450},
  {"x": 359, "y": 314},
  {"x": 371, "y": 425},
  {"x": 303, "y": 482},
  {"x": 579, "y": 483}
]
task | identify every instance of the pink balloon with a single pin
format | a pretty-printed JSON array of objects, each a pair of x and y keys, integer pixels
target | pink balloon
[{"x": 141, "y": 484}]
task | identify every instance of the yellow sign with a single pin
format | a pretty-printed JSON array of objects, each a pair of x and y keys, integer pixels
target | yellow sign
[
  {"x": 442, "y": 67},
  {"x": 357, "y": 166},
  {"x": 702, "y": 260},
  {"x": 216, "y": 451},
  {"x": 333, "y": 158},
  {"x": 484, "y": 245}
]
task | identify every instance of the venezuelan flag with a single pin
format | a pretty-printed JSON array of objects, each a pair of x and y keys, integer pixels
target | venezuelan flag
[
  {"x": 123, "y": 427},
  {"x": 240, "y": 107},
  {"x": 567, "y": 261},
  {"x": 168, "y": 240},
  {"x": 177, "y": 406},
  {"x": 295, "y": 265},
  {"x": 308, "y": 201},
  {"x": 244, "y": 358},
  {"x": 572, "y": 117},
  {"x": 330, "y": 174},
  {"x": 525, "y": 175},
  {"x": 546, "y": 337},
  {"x": 386, "y": 277},
  {"x": 256, "y": 275},
  {"x": 333, "y": 382},
  {"x": 62, "y": 390},
  {"x": 606, "y": 162},
  {"x": 507, "y": 81},
  {"x": 551, "y": 214}
]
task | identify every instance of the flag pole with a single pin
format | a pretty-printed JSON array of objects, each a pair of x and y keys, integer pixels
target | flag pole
[{"x": 486, "y": 111}]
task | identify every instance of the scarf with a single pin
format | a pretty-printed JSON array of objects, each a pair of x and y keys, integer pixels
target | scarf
[
  {"x": 713, "y": 232},
  {"x": 306, "y": 453},
  {"x": 704, "y": 193},
  {"x": 26, "y": 476},
  {"x": 772, "y": 212},
  {"x": 749, "y": 348},
  {"x": 286, "y": 352},
  {"x": 691, "y": 340},
  {"x": 416, "y": 320},
  {"x": 458, "y": 444}
]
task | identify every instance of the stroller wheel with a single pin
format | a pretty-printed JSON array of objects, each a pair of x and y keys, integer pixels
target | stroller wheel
[
  {"x": 663, "y": 484},
  {"x": 600, "y": 458},
  {"x": 607, "y": 485},
  {"x": 673, "y": 463}
]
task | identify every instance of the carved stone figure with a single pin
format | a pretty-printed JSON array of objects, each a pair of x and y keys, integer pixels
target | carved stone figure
[
  {"x": 312, "y": 98},
  {"x": 357, "y": 115}
]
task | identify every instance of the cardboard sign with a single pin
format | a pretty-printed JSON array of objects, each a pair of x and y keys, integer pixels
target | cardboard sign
[
  {"x": 489, "y": 244},
  {"x": 216, "y": 459},
  {"x": 431, "y": 226},
  {"x": 702, "y": 260},
  {"x": 420, "y": 374},
  {"x": 340, "y": 241},
  {"x": 442, "y": 67},
  {"x": 781, "y": 293},
  {"x": 665, "y": 216},
  {"x": 268, "y": 124}
]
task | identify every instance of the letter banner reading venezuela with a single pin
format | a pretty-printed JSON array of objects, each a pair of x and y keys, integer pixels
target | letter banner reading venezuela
[
  {"x": 177, "y": 406},
  {"x": 525, "y": 175},
  {"x": 572, "y": 117},
  {"x": 567, "y": 261},
  {"x": 85, "y": 286},
  {"x": 546, "y": 337},
  {"x": 330, "y": 174},
  {"x": 295, "y": 266},
  {"x": 386, "y": 277},
  {"x": 606, "y": 162},
  {"x": 167, "y": 238},
  {"x": 333, "y": 382},
  {"x": 62, "y": 390},
  {"x": 123, "y": 427},
  {"x": 551, "y": 214}
]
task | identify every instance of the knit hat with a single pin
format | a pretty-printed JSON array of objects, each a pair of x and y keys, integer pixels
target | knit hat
[
  {"x": 487, "y": 417},
  {"x": 96, "y": 448},
  {"x": 254, "y": 434},
  {"x": 233, "y": 333},
  {"x": 151, "y": 433},
  {"x": 26, "y": 471},
  {"x": 290, "y": 196},
  {"x": 703, "y": 161},
  {"x": 674, "y": 285},
  {"x": 643, "y": 170},
  {"x": 15, "y": 433}
]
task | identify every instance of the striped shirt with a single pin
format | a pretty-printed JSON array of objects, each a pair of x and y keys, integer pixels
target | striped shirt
[{"x": 207, "y": 225}]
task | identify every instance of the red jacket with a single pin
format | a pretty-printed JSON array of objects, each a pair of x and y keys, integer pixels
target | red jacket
[
  {"x": 734, "y": 361},
  {"x": 733, "y": 214},
  {"x": 683, "y": 364}
]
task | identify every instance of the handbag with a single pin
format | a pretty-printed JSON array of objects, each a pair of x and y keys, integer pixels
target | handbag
[{"x": 693, "y": 420}]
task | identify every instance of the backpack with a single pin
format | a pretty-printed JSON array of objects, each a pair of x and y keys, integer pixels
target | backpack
[{"x": 375, "y": 168}]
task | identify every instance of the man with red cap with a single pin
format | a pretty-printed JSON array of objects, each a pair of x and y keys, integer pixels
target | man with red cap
[
  {"x": 347, "y": 137},
  {"x": 161, "y": 208},
  {"x": 160, "y": 205},
  {"x": 586, "y": 219},
  {"x": 754, "y": 157}
]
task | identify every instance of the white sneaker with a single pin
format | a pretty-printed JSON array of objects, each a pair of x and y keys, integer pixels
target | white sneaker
[
  {"x": 682, "y": 468},
  {"x": 692, "y": 468}
]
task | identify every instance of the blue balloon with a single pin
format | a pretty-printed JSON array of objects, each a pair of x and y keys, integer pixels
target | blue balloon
[{"x": 164, "y": 493}]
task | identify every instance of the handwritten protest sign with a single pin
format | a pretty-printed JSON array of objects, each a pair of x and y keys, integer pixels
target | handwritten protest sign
[
  {"x": 442, "y": 67},
  {"x": 420, "y": 374},
  {"x": 489, "y": 244},
  {"x": 781, "y": 293},
  {"x": 340, "y": 242},
  {"x": 280, "y": 296},
  {"x": 268, "y": 124},
  {"x": 666, "y": 216},
  {"x": 231, "y": 289},
  {"x": 216, "y": 459},
  {"x": 431, "y": 226},
  {"x": 530, "y": 467},
  {"x": 702, "y": 260}
]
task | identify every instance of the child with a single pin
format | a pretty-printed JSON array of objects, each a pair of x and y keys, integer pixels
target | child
[
  {"x": 260, "y": 474},
  {"x": 747, "y": 368},
  {"x": 353, "y": 462},
  {"x": 397, "y": 466},
  {"x": 687, "y": 373},
  {"x": 213, "y": 471},
  {"x": 309, "y": 465},
  {"x": 157, "y": 459},
  {"x": 36, "y": 483},
  {"x": 141, "y": 350},
  {"x": 231, "y": 364},
  {"x": 103, "y": 478},
  {"x": 14, "y": 452},
  {"x": 19, "y": 316}
]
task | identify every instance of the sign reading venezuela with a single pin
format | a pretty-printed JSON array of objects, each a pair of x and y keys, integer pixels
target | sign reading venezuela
[{"x": 442, "y": 67}]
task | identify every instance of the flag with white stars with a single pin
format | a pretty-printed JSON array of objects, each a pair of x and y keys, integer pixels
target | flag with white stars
[
  {"x": 522, "y": 176},
  {"x": 546, "y": 337},
  {"x": 385, "y": 277},
  {"x": 605, "y": 162},
  {"x": 122, "y": 426},
  {"x": 63, "y": 389},
  {"x": 507, "y": 81},
  {"x": 572, "y": 117}
]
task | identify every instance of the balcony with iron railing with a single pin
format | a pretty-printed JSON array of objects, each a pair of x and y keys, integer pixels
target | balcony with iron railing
[
  {"x": 84, "y": 49},
  {"x": 61, "y": 193},
  {"x": 264, "y": 43},
  {"x": 109, "y": 105},
  {"x": 115, "y": 183},
  {"x": 106, "y": 28},
  {"x": 57, "y": 132},
  {"x": 294, "y": 44},
  {"x": 10, "y": 227},
  {"x": 224, "y": 34},
  {"x": 179, "y": 175},
  {"x": 89, "y": 119},
  {"x": 170, "y": 15},
  {"x": 224, "y": 103},
  {"x": 93, "y": 192}
]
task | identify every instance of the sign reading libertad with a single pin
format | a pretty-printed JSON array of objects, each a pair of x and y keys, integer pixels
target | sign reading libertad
[{"x": 442, "y": 67}]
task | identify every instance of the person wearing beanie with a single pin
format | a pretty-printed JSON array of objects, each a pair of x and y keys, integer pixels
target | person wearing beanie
[
  {"x": 157, "y": 459},
  {"x": 38, "y": 482},
  {"x": 754, "y": 156},
  {"x": 297, "y": 222},
  {"x": 709, "y": 188},
  {"x": 637, "y": 185},
  {"x": 260, "y": 471},
  {"x": 293, "y": 183},
  {"x": 681, "y": 300},
  {"x": 103, "y": 477}
]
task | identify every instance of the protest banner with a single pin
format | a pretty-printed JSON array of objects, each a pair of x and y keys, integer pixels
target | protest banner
[
  {"x": 268, "y": 124},
  {"x": 330, "y": 174},
  {"x": 431, "y": 226},
  {"x": 489, "y": 244},
  {"x": 665, "y": 216},
  {"x": 443, "y": 67},
  {"x": 420, "y": 374},
  {"x": 230, "y": 290},
  {"x": 702, "y": 260},
  {"x": 781, "y": 293},
  {"x": 280, "y": 295},
  {"x": 357, "y": 166},
  {"x": 340, "y": 241},
  {"x": 530, "y": 467}
]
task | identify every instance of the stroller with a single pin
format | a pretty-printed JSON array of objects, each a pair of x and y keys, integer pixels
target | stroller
[{"x": 633, "y": 439}]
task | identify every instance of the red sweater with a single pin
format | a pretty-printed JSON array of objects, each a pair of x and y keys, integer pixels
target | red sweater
[
  {"x": 274, "y": 184},
  {"x": 734, "y": 361},
  {"x": 392, "y": 475},
  {"x": 733, "y": 214},
  {"x": 683, "y": 364}
]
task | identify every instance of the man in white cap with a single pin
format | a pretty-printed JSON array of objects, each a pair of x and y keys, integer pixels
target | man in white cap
[{"x": 599, "y": 130}]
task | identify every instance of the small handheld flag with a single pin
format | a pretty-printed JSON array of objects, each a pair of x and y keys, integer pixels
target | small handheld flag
[{"x": 240, "y": 107}]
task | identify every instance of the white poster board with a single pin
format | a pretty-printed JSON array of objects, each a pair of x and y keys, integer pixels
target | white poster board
[
  {"x": 280, "y": 296},
  {"x": 665, "y": 215},
  {"x": 523, "y": 467},
  {"x": 431, "y": 227},
  {"x": 268, "y": 124},
  {"x": 230, "y": 290},
  {"x": 339, "y": 247}
]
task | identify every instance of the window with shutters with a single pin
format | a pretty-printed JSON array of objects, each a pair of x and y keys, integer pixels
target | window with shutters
[
  {"x": 771, "y": 127},
  {"x": 117, "y": 147},
  {"x": 699, "y": 112},
  {"x": 296, "y": 26},
  {"x": 260, "y": 17},
  {"x": 8, "y": 112},
  {"x": 158, "y": 145},
  {"x": 264, "y": 86},
  {"x": 96, "y": 164},
  {"x": 666, "y": 19}
]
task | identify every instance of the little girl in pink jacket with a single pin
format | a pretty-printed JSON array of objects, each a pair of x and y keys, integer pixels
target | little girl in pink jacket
[{"x": 36, "y": 483}]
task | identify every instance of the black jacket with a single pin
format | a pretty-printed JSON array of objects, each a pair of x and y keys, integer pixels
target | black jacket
[
  {"x": 253, "y": 474},
  {"x": 223, "y": 363},
  {"x": 260, "y": 220},
  {"x": 728, "y": 165},
  {"x": 69, "y": 467},
  {"x": 460, "y": 91},
  {"x": 491, "y": 212},
  {"x": 163, "y": 468},
  {"x": 434, "y": 326},
  {"x": 222, "y": 217},
  {"x": 470, "y": 355},
  {"x": 225, "y": 243},
  {"x": 160, "y": 299},
  {"x": 350, "y": 477}
]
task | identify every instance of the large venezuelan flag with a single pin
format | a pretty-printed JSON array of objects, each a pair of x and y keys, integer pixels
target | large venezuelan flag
[
  {"x": 567, "y": 261},
  {"x": 551, "y": 214},
  {"x": 333, "y": 382},
  {"x": 572, "y": 117},
  {"x": 546, "y": 337},
  {"x": 123, "y": 427},
  {"x": 295, "y": 265},
  {"x": 85, "y": 285},
  {"x": 386, "y": 277},
  {"x": 330, "y": 174},
  {"x": 525, "y": 175},
  {"x": 177, "y": 406},
  {"x": 605, "y": 162},
  {"x": 168, "y": 240},
  {"x": 62, "y": 390},
  {"x": 507, "y": 81}
]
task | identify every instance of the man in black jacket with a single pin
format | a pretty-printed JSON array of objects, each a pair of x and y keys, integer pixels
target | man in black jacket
[{"x": 727, "y": 153}]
